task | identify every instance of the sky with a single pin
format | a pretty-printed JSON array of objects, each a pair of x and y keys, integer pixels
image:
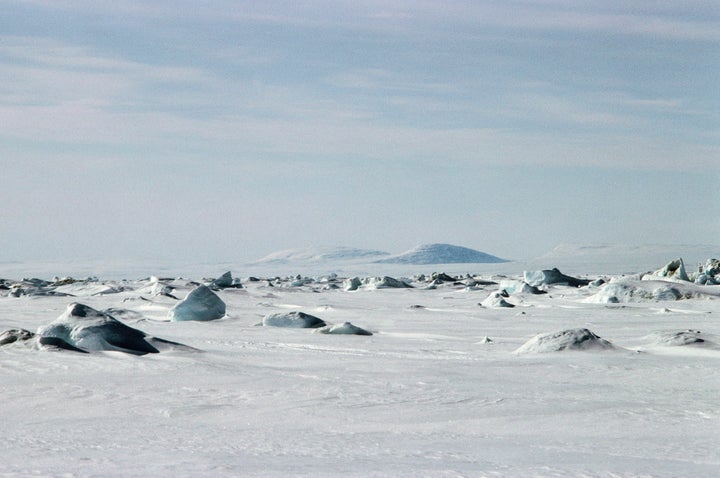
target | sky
[{"x": 227, "y": 130}]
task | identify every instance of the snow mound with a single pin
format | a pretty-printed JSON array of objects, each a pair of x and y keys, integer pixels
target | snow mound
[
  {"x": 497, "y": 299},
  {"x": 552, "y": 276},
  {"x": 441, "y": 254},
  {"x": 295, "y": 319},
  {"x": 571, "y": 339},
  {"x": 512, "y": 286},
  {"x": 345, "y": 328},
  {"x": 15, "y": 335},
  {"x": 87, "y": 289},
  {"x": 319, "y": 255},
  {"x": 677, "y": 338},
  {"x": 626, "y": 290},
  {"x": 84, "y": 328},
  {"x": 201, "y": 304}
]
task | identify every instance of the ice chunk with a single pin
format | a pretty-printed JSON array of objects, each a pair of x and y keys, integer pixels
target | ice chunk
[
  {"x": 87, "y": 329},
  {"x": 225, "y": 280},
  {"x": 201, "y": 304},
  {"x": 385, "y": 282},
  {"x": 672, "y": 270},
  {"x": 15, "y": 335},
  {"x": 552, "y": 276}
]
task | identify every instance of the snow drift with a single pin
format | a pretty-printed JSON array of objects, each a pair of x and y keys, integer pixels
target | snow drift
[
  {"x": 571, "y": 339},
  {"x": 346, "y": 328},
  {"x": 295, "y": 319},
  {"x": 677, "y": 338}
]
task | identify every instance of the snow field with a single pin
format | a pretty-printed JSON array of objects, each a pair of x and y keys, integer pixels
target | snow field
[{"x": 423, "y": 396}]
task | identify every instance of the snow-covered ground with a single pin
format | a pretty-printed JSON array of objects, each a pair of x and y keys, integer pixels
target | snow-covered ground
[{"x": 439, "y": 389}]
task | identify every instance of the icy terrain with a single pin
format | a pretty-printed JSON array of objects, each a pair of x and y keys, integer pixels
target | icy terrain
[{"x": 619, "y": 377}]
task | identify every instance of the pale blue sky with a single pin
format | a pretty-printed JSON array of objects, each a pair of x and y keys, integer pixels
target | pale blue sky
[{"x": 226, "y": 130}]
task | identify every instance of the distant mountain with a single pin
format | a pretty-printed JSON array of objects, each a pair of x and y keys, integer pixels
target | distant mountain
[
  {"x": 441, "y": 254},
  {"x": 321, "y": 254}
]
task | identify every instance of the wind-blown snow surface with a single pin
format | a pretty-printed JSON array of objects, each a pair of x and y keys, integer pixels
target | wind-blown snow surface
[{"x": 437, "y": 390}]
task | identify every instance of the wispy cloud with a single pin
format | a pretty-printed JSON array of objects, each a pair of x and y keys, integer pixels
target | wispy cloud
[{"x": 674, "y": 19}]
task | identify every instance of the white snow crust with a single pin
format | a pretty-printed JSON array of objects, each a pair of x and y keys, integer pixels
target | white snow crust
[{"x": 429, "y": 394}]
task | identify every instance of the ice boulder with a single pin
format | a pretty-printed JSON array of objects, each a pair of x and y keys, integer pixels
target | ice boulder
[
  {"x": 25, "y": 338},
  {"x": 352, "y": 284},
  {"x": 571, "y": 339},
  {"x": 345, "y": 328},
  {"x": 708, "y": 274},
  {"x": 201, "y": 304},
  {"x": 15, "y": 335},
  {"x": 295, "y": 319},
  {"x": 385, "y": 282},
  {"x": 552, "y": 276},
  {"x": 84, "y": 328},
  {"x": 712, "y": 269},
  {"x": 222, "y": 282},
  {"x": 673, "y": 270}
]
